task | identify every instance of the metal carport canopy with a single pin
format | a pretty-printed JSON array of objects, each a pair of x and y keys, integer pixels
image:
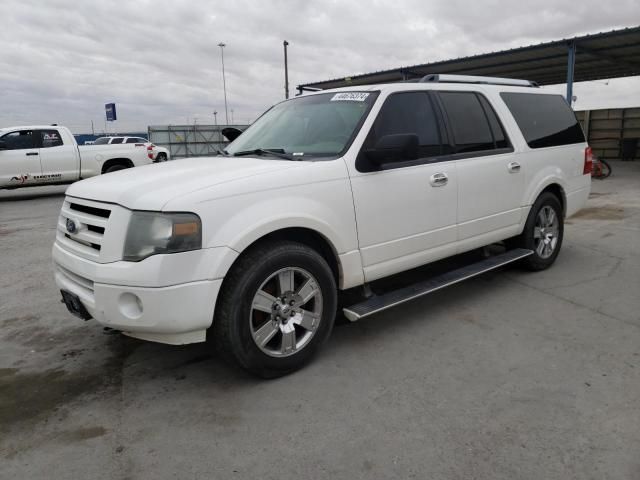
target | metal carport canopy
[{"x": 590, "y": 57}]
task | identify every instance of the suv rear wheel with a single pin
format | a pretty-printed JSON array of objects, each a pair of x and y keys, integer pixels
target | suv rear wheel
[
  {"x": 542, "y": 233},
  {"x": 115, "y": 168},
  {"x": 277, "y": 306}
]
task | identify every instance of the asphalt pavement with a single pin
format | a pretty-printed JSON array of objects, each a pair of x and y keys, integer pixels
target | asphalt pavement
[{"x": 512, "y": 375}]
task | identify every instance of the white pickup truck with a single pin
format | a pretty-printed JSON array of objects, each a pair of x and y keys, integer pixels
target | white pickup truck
[
  {"x": 324, "y": 193},
  {"x": 49, "y": 154}
]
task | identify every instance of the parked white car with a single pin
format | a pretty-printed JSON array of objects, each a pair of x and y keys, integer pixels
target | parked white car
[
  {"x": 46, "y": 155},
  {"x": 119, "y": 140},
  {"x": 323, "y": 193},
  {"x": 157, "y": 154}
]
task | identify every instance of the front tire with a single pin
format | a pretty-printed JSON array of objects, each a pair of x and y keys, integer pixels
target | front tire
[
  {"x": 543, "y": 232},
  {"x": 277, "y": 306}
]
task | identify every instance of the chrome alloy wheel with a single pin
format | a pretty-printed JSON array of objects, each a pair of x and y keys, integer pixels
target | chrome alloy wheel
[
  {"x": 546, "y": 231},
  {"x": 286, "y": 312}
]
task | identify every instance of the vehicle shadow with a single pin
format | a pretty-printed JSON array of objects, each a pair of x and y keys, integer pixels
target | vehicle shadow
[
  {"x": 31, "y": 193},
  {"x": 196, "y": 365}
]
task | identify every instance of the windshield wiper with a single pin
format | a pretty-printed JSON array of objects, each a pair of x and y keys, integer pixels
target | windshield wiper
[{"x": 276, "y": 152}]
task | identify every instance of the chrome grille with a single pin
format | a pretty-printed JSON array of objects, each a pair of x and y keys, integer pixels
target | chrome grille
[{"x": 82, "y": 225}]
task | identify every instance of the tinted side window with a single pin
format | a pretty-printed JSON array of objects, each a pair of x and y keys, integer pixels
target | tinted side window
[
  {"x": 50, "y": 138},
  {"x": 544, "y": 120},
  {"x": 117, "y": 140},
  {"x": 410, "y": 112},
  {"x": 19, "y": 140},
  {"x": 499, "y": 137},
  {"x": 468, "y": 122},
  {"x": 101, "y": 141}
]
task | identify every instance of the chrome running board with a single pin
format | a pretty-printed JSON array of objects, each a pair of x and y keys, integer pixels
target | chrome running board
[{"x": 378, "y": 303}]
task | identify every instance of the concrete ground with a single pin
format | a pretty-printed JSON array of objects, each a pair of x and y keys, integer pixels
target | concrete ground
[{"x": 509, "y": 376}]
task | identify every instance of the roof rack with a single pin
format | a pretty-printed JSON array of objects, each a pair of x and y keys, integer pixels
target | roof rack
[{"x": 439, "y": 78}]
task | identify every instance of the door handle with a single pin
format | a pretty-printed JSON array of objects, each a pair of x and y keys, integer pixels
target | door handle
[
  {"x": 438, "y": 179},
  {"x": 513, "y": 167},
  {"x": 28, "y": 154}
]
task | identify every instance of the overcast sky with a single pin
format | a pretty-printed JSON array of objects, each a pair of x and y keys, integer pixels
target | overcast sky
[{"x": 62, "y": 60}]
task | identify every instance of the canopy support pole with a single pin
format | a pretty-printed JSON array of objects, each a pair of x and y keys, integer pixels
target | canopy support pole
[{"x": 571, "y": 62}]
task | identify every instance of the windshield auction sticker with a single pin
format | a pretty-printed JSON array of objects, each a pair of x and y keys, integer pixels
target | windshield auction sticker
[{"x": 350, "y": 97}]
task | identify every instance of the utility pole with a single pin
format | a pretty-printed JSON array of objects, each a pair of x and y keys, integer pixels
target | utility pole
[
  {"x": 93, "y": 132},
  {"x": 286, "y": 70},
  {"x": 232, "y": 116},
  {"x": 224, "y": 82}
]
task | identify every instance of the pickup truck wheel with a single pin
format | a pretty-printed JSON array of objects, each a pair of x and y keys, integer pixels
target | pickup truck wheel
[
  {"x": 115, "y": 168},
  {"x": 276, "y": 307},
  {"x": 543, "y": 232}
]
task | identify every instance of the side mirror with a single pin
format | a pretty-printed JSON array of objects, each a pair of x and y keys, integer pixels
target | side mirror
[
  {"x": 3, "y": 145},
  {"x": 231, "y": 133},
  {"x": 394, "y": 148}
]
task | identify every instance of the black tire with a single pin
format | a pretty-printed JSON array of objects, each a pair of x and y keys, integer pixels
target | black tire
[
  {"x": 115, "y": 168},
  {"x": 527, "y": 239},
  {"x": 162, "y": 157},
  {"x": 234, "y": 318}
]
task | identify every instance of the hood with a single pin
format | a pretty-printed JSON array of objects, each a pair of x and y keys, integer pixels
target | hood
[{"x": 152, "y": 186}]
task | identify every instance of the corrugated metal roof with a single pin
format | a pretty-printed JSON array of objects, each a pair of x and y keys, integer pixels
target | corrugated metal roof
[{"x": 601, "y": 55}]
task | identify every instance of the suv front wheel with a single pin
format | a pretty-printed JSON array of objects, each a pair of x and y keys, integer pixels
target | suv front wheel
[{"x": 276, "y": 307}]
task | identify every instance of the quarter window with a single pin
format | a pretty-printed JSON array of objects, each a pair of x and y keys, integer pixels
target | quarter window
[
  {"x": 468, "y": 122},
  {"x": 116, "y": 140},
  {"x": 544, "y": 120},
  {"x": 50, "y": 138},
  {"x": 20, "y": 140}
]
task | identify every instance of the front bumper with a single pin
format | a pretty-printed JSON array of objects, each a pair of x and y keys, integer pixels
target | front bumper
[{"x": 163, "y": 312}]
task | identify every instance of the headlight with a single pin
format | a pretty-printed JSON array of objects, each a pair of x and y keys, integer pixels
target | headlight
[{"x": 150, "y": 233}]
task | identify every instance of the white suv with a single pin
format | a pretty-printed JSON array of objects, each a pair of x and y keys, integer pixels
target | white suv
[{"x": 323, "y": 193}]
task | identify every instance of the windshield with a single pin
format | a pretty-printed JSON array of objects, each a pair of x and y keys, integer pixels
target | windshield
[
  {"x": 101, "y": 141},
  {"x": 321, "y": 125}
]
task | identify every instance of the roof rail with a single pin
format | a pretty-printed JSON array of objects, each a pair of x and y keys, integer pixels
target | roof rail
[{"x": 440, "y": 78}]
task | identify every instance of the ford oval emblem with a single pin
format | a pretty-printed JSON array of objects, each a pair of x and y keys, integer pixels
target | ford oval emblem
[{"x": 71, "y": 226}]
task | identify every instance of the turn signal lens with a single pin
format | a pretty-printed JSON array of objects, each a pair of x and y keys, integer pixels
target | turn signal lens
[{"x": 181, "y": 229}]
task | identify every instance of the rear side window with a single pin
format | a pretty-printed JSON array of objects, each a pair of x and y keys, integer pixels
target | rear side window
[
  {"x": 544, "y": 120},
  {"x": 50, "y": 138},
  {"x": 117, "y": 140},
  {"x": 468, "y": 122},
  {"x": 19, "y": 140},
  {"x": 410, "y": 112},
  {"x": 101, "y": 141}
]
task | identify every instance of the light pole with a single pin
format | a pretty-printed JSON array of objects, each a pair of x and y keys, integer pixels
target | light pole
[
  {"x": 286, "y": 70},
  {"x": 215, "y": 121},
  {"x": 232, "y": 116},
  {"x": 224, "y": 82}
]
